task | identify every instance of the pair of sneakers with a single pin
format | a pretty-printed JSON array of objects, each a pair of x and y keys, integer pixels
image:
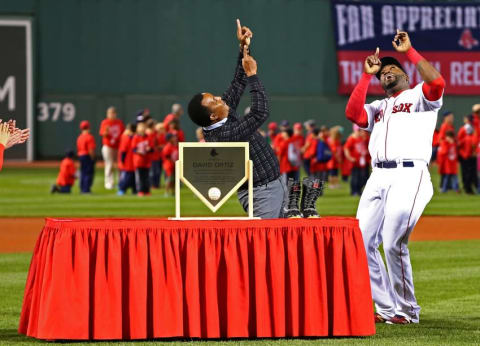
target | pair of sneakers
[
  {"x": 397, "y": 319},
  {"x": 310, "y": 190}
]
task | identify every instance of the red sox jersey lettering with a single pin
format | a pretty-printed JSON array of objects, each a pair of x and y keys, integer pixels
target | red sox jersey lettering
[{"x": 402, "y": 107}]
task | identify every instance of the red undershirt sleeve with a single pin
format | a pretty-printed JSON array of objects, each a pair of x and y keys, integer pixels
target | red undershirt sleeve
[
  {"x": 2, "y": 149},
  {"x": 355, "y": 111},
  {"x": 432, "y": 90}
]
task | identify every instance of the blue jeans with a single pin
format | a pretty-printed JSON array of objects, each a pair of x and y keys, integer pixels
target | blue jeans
[
  {"x": 65, "y": 188},
  {"x": 449, "y": 181},
  {"x": 156, "y": 173},
  {"x": 87, "y": 171},
  {"x": 127, "y": 180}
]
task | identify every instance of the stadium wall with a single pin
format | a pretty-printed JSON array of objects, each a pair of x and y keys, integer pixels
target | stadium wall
[{"x": 90, "y": 54}]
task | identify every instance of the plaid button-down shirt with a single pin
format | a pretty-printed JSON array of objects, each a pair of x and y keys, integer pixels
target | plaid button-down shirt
[{"x": 245, "y": 129}]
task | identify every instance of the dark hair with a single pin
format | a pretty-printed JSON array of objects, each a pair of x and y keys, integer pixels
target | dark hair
[
  {"x": 131, "y": 127},
  {"x": 289, "y": 132},
  {"x": 150, "y": 123},
  {"x": 316, "y": 131},
  {"x": 197, "y": 112},
  {"x": 450, "y": 133},
  {"x": 70, "y": 154}
]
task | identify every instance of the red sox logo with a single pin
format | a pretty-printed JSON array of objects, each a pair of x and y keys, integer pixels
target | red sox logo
[
  {"x": 402, "y": 107},
  {"x": 467, "y": 40}
]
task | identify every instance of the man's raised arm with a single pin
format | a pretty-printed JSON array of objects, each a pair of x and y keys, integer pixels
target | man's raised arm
[
  {"x": 245, "y": 126},
  {"x": 434, "y": 82},
  {"x": 355, "y": 111},
  {"x": 234, "y": 92}
]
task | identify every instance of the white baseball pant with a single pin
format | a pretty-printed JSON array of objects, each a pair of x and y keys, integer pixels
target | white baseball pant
[
  {"x": 390, "y": 206},
  {"x": 109, "y": 156}
]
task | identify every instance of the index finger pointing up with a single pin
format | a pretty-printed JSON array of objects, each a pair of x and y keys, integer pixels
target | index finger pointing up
[
  {"x": 239, "y": 27},
  {"x": 377, "y": 52}
]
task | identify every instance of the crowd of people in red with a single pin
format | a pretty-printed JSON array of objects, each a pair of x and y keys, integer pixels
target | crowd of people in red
[
  {"x": 143, "y": 151},
  {"x": 462, "y": 148},
  {"x": 146, "y": 150},
  {"x": 322, "y": 153}
]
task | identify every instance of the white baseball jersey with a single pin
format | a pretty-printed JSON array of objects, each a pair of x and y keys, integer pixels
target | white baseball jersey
[{"x": 402, "y": 127}]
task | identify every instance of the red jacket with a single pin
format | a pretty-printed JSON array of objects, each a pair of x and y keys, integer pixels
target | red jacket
[
  {"x": 169, "y": 156},
  {"x": 158, "y": 142},
  {"x": 467, "y": 146},
  {"x": 285, "y": 165},
  {"x": 85, "y": 143},
  {"x": 125, "y": 152},
  {"x": 66, "y": 176},
  {"x": 141, "y": 149},
  {"x": 447, "y": 158},
  {"x": 443, "y": 130},
  {"x": 358, "y": 149},
  {"x": 336, "y": 148},
  {"x": 311, "y": 141},
  {"x": 114, "y": 129}
]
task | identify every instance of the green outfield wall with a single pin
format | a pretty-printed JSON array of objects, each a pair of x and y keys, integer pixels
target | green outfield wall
[{"x": 90, "y": 54}]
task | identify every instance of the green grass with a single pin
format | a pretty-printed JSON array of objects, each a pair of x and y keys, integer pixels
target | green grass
[
  {"x": 25, "y": 193},
  {"x": 446, "y": 274}
]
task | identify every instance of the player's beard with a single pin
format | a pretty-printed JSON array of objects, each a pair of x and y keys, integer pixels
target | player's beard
[{"x": 392, "y": 84}]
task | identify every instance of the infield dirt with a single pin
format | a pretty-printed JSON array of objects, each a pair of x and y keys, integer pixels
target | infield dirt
[{"x": 20, "y": 234}]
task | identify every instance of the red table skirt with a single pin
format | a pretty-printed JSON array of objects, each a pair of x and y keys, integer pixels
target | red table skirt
[{"x": 154, "y": 278}]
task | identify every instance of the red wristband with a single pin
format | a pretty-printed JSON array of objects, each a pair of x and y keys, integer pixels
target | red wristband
[{"x": 414, "y": 56}]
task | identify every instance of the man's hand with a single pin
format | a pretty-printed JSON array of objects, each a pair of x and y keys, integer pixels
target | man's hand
[
  {"x": 244, "y": 34},
  {"x": 249, "y": 64},
  {"x": 4, "y": 134},
  {"x": 372, "y": 63},
  {"x": 403, "y": 40}
]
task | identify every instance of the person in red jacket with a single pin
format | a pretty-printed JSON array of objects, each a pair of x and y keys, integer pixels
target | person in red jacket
[
  {"x": 289, "y": 156},
  {"x": 335, "y": 144},
  {"x": 467, "y": 146},
  {"x": 356, "y": 152},
  {"x": 125, "y": 161},
  {"x": 319, "y": 169},
  {"x": 66, "y": 176},
  {"x": 447, "y": 125},
  {"x": 141, "y": 147},
  {"x": 169, "y": 156},
  {"x": 111, "y": 129},
  {"x": 158, "y": 142},
  {"x": 86, "y": 154},
  {"x": 177, "y": 111},
  {"x": 476, "y": 118},
  {"x": 174, "y": 129},
  {"x": 447, "y": 154},
  {"x": 310, "y": 147},
  {"x": 297, "y": 136}
]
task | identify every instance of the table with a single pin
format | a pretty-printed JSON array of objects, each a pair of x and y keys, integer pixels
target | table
[{"x": 107, "y": 279}]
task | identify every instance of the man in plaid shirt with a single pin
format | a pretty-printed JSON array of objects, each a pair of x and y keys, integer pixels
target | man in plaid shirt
[{"x": 217, "y": 115}]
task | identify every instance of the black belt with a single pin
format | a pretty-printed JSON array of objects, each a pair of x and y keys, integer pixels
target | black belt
[{"x": 393, "y": 164}]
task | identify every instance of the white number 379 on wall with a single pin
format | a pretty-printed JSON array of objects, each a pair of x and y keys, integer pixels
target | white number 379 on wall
[{"x": 53, "y": 110}]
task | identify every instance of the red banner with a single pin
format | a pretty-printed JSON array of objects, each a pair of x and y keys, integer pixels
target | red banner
[{"x": 461, "y": 70}]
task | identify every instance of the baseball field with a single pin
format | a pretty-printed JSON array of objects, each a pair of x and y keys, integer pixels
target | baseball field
[{"x": 445, "y": 252}]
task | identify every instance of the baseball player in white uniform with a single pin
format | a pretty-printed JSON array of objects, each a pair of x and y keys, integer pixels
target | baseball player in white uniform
[{"x": 399, "y": 187}]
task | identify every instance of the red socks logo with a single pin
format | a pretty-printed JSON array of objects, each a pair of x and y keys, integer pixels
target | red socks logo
[{"x": 402, "y": 107}]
